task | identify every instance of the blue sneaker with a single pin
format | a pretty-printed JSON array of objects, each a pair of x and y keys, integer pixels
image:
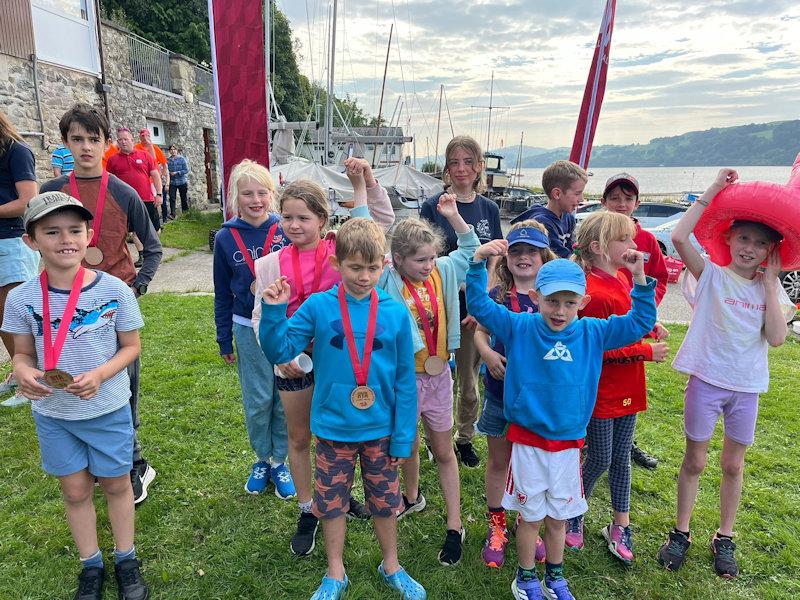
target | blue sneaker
[
  {"x": 527, "y": 590},
  {"x": 403, "y": 583},
  {"x": 557, "y": 589},
  {"x": 331, "y": 589},
  {"x": 284, "y": 486},
  {"x": 259, "y": 477}
]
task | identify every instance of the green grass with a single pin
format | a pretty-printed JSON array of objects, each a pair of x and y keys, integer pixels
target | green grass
[
  {"x": 190, "y": 231},
  {"x": 201, "y": 537}
]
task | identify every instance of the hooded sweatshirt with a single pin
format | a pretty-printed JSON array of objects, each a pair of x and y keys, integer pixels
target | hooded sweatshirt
[{"x": 559, "y": 230}]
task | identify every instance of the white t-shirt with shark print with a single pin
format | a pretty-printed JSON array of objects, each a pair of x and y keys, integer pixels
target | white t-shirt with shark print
[{"x": 105, "y": 307}]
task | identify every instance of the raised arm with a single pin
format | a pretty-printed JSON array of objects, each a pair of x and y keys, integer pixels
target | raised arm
[
  {"x": 775, "y": 327},
  {"x": 370, "y": 199},
  {"x": 282, "y": 339},
  {"x": 495, "y": 317}
]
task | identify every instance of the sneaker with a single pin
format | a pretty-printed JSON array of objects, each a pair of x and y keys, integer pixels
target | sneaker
[
  {"x": 620, "y": 542},
  {"x": 90, "y": 584},
  {"x": 556, "y": 589},
  {"x": 574, "y": 538},
  {"x": 541, "y": 551},
  {"x": 130, "y": 584},
  {"x": 642, "y": 458},
  {"x": 412, "y": 507},
  {"x": 8, "y": 384},
  {"x": 450, "y": 554},
  {"x": 466, "y": 454},
  {"x": 139, "y": 261},
  {"x": 527, "y": 590},
  {"x": 142, "y": 475},
  {"x": 494, "y": 548},
  {"x": 302, "y": 543},
  {"x": 672, "y": 554},
  {"x": 331, "y": 589},
  {"x": 357, "y": 511},
  {"x": 282, "y": 478},
  {"x": 14, "y": 401},
  {"x": 724, "y": 562},
  {"x": 259, "y": 477},
  {"x": 403, "y": 583}
]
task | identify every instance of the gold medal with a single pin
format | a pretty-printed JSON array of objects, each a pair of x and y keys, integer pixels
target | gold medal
[
  {"x": 362, "y": 397},
  {"x": 253, "y": 287},
  {"x": 94, "y": 256},
  {"x": 57, "y": 379},
  {"x": 434, "y": 365}
]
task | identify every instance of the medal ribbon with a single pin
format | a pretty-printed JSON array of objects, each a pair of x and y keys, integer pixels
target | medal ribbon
[
  {"x": 237, "y": 237},
  {"x": 431, "y": 334},
  {"x": 52, "y": 352},
  {"x": 360, "y": 368},
  {"x": 101, "y": 203},
  {"x": 514, "y": 299},
  {"x": 298, "y": 274}
]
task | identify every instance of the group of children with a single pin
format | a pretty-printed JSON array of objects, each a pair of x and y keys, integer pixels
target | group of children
[{"x": 336, "y": 338}]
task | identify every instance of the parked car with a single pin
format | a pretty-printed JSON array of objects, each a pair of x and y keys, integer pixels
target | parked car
[
  {"x": 663, "y": 234},
  {"x": 649, "y": 214},
  {"x": 791, "y": 283},
  {"x": 586, "y": 209}
]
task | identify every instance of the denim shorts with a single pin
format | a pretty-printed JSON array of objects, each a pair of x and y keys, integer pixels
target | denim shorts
[
  {"x": 18, "y": 263},
  {"x": 492, "y": 422},
  {"x": 294, "y": 385}
]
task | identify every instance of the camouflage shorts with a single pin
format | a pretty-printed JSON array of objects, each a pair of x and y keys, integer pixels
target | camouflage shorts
[{"x": 336, "y": 465}]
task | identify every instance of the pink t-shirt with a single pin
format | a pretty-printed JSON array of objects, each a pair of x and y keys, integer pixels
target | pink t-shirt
[{"x": 308, "y": 260}]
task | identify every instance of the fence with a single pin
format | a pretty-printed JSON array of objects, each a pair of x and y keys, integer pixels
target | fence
[
  {"x": 204, "y": 85},
  {"x": 149, "y": 63}
]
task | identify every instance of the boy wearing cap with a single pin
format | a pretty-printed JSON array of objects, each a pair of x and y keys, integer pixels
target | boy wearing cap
[
  {"x": 552, "y": 372},
  {"x": 78, "y": 382}
]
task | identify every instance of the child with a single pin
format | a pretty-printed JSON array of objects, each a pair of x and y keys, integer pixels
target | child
[
  {"x": 253, "y": 233},
  {"x": 725, "y": 354},
  {"x": 428, "y": 286},
  {"x": 364, "y": 404},
  {"x": 306, "y": 264},
  {"x": 563, "y": 182},
  {"x": 621, "y": 195},
  {"x": 528, "y": 250},
  {"x": 603, "y": 241},
  {"x": 79, "y": 383},
  {"x": 552, "y": 369}
]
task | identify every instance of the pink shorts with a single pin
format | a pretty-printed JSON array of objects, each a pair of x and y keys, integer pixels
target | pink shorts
[
  {"x": 435, "y": 400},
  {"x": 705, "y": 403}
]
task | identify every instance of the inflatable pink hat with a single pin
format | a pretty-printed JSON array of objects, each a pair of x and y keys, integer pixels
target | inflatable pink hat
[{"x": 773, "y": 204}]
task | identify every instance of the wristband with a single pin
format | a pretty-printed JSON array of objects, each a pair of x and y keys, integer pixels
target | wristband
[{"x": 699, "y": 201}]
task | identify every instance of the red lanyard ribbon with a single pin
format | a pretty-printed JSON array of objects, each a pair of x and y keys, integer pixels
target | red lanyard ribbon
[
  {"x": 431, "y": 333},
  {"x": 514, "y": 299},
  {"x": 101, "y": 203},
  {"x": 52, "y": 352},
  {"x": 360, "y": 368},
  {"x": 237, "y": 237},
  {"x": 298, "y": 274}
]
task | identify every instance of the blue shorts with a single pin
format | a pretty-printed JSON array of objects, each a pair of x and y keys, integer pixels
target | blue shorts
[
  {"x": 492, "y": 422},
  {"x": 104, "y": 444},
  {"x": 18, "y": 263}
]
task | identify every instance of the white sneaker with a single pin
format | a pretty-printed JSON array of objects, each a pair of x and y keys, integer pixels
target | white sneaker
[{"x": 14, "y": 401}]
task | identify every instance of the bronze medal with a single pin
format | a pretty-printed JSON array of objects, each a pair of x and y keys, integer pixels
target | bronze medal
[
  {"x": 57, "y": 379},
  {"x": 362, "y": 397},
  {"x": 94, "y": 256},
  {"x": 434, "y": 365},
  {"x": 253, "y": 287}
]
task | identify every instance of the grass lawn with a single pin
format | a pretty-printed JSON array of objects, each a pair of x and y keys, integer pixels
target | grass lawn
[
  {"x": 201, "y": 537},
  {"x": 190, "y": 230}
]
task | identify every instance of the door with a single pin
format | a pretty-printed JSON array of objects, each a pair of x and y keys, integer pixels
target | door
[{"x": 208, "y": 161}]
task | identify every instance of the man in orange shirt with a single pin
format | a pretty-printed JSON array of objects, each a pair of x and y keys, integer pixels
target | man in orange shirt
[{"x": 157, "y": 153}]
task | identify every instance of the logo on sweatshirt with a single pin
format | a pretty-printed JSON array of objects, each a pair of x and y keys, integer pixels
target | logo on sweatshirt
[{"x": 559, "y": 352}]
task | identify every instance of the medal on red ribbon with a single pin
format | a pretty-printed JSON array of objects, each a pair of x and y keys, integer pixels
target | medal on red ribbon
[
  {"x": 57, "y": 378},
  {"x": 319, "y": 257},
  {"x": 363, "y": 396},
  {"x": 434, "y": 365},
  {"x": 237, "y": 237},
  {"x": 512, "y": 295},
  {"x": 94, "y": 256}
]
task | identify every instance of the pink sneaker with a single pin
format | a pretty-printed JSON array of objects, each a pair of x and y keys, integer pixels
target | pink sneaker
[
  {"x": 620, "y": 542},
  {"x": 494, "y": 549},
  {"x": 574, "y": 537}
]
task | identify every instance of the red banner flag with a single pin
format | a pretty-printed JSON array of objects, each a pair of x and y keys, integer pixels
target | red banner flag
[{"x": 595, "y": 89}]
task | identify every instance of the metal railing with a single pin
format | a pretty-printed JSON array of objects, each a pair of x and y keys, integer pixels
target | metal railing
[
  {"x": 204, "y": 84},
  {"x": 149, "y": 63}
]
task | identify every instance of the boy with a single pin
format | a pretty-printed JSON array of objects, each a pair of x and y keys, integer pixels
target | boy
[
  {"x": 621, "y": 195},
  {"x": 738, "y": 313},
  {"x": 552, "y": 372},
  {"x": 85, "y": 131},
  {"x": 364, "y": 404},
  {"x": 563, "y": 182},
  {"x": 79, "y": 383}
]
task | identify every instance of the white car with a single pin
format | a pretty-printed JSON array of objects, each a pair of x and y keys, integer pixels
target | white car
[{"x": 663, "y": 234}]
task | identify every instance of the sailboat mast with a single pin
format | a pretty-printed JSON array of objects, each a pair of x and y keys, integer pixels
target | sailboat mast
[
  {"x": 489, "y": 127},
  {"x": 329, "y": 103},
  {"x": 519, "y": 159},
  {"x": 438, "y": 124},
  {"x": 383, "y": 86}
]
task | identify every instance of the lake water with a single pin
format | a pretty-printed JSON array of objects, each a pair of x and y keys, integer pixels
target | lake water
[{"x": 667, "y": 180}]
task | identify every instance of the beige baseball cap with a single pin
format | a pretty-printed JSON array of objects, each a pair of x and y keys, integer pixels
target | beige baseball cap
[{"x": 42, "y": 205}]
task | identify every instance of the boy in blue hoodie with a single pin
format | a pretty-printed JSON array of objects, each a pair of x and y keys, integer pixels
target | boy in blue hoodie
[
  {"x": 552, "y": 372},
  {"x": 364, "y": 404}
]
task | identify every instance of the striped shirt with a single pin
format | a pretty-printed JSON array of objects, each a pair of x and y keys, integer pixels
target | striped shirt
[{"x": 62, "y": 159}]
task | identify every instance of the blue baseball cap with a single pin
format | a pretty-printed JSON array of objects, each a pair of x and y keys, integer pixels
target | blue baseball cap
[
  {"x": 560, "y": 275},
  {"x": 528, "y": 235}
]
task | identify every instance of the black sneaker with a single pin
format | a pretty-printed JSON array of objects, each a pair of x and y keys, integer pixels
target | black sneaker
[
  {"x": 130, "y": 584},
  {"x": 142, "y": 475},
  {"x": 642, "y": 458},
  {"x": 724, "y": 562},
  {"x": 139, "y": 261},
  {"x": 450, "y": 554},
  {"x": 357, "y": 511},
  {"x": 466, "y": 454},
  {"x": 411, "y": 507},
  {"x": 90, "y": 584},
  {"x": 672, "y": 554},
  {"x": 302, "y": 543}
]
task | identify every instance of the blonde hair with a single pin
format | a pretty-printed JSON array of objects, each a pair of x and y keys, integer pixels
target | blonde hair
[
  {"x": 360, "y": 236},
  {"x": 249, "y": 169},
  {"x": 602, "y": 227},
  {"x": 8, "y": 133},
  {"x": 470, "y": 145},
  {"x": 505, "y": 280},
  {"x": 311, "y": 194},
  {"x": 411, "y": 234},
  {"x": 562, "y": 174}
]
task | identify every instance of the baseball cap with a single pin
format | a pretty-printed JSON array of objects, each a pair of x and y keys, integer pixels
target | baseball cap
[
  {"x": 621, "y": 178},
  {"x": 528, "y": 235},
  {"x": 560, "y": 275},
  {"x": 42, "y": 205}
]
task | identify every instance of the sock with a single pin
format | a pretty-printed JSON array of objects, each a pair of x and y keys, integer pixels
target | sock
[
  {"x": 305, "y": 506},
  {"x": 94, "y": 561},
  {"x": 554, "y": 571},
  {"x": 275, "y": 463},
  {"x": 722, "y": 535},
  {"x": 499, "y": 509},
  {"x": 124, "y": 555},
  {"x": 526, "y": 574},
  {"x": 686, "y": 533}
]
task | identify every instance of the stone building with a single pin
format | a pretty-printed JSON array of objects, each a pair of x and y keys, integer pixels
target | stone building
[{"x": 137, "y": 83}]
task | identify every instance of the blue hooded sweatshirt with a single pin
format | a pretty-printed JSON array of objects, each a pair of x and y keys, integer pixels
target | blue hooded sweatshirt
[
  {"x": 559, "y": 230},
  {"x": 233, "y": 300},
  {"x": 552, "y": 376},
  {"x": 391, "y": 372}
]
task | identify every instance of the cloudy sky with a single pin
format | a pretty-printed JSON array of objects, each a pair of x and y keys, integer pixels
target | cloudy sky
[{"x": 676, "y": 66}]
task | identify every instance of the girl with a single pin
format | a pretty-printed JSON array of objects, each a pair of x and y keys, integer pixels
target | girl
[
  {"x": 429, "y": 286},
  {"x": 305, "y": 263},
  {"x": 528, "y": 250},
  {"x": 603, "y": 240},
  {"x": 254, "y": 232}
]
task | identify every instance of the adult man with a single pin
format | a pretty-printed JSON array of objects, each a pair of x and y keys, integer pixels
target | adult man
[{"x": 157, "y": 153}]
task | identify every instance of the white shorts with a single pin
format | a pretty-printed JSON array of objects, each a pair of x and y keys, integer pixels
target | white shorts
[{"x": 544, "y": 484}]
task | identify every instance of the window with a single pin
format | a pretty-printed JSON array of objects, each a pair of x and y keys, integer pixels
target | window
[
  {"x": 157, "y": 132},
  {"x": 66, "y": 33},
  {"x": 73, "y": 8},
  {"x": 492, "y": 163}
]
